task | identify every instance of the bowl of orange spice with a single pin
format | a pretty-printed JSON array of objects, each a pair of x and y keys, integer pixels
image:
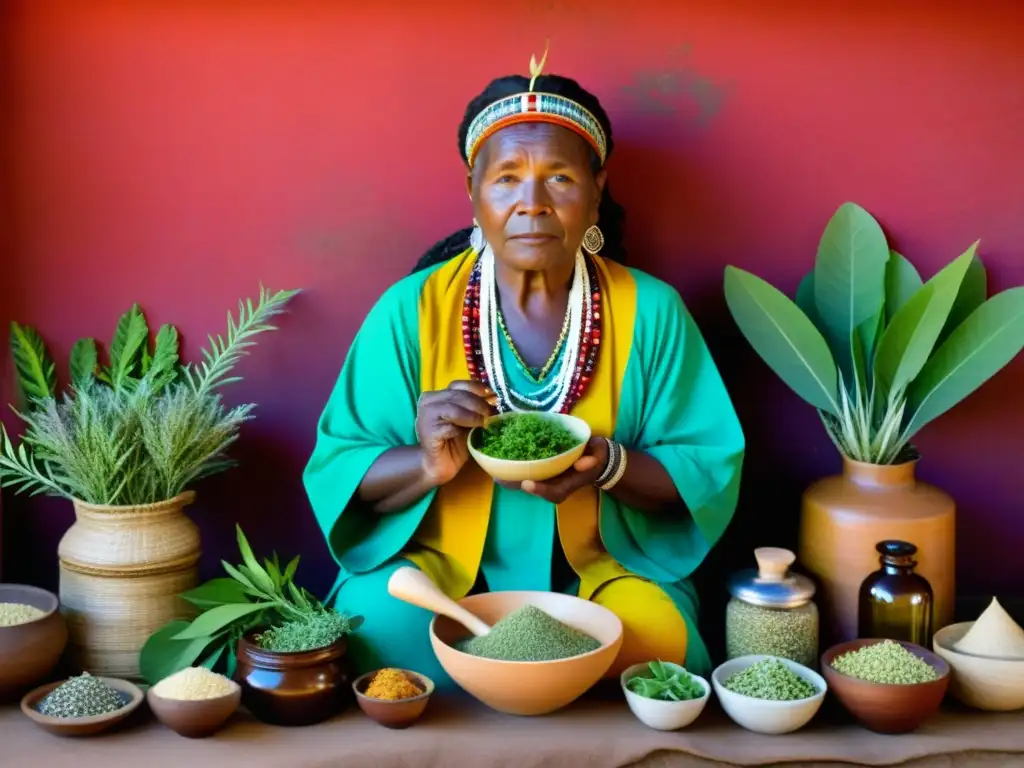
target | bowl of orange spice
[{"x": 395, "y": 698}]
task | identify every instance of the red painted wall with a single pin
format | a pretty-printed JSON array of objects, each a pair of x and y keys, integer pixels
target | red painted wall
[{"x": 176, "y": 154}]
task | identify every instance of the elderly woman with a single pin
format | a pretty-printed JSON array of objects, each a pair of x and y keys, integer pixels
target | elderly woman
[{"x": 531, "y": 309}]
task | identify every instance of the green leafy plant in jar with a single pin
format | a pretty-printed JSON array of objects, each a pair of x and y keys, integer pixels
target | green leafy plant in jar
[{"x": 771, "y": 611}]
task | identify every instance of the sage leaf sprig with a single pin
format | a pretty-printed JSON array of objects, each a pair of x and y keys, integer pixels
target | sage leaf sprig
[
  {"x": 666, "y": 683},
  {"x": 875, "y": 349},
  {"x": 253, "y": 594}
]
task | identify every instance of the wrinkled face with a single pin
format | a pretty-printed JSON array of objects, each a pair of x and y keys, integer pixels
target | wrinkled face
[{"x": 535, "y": 194}]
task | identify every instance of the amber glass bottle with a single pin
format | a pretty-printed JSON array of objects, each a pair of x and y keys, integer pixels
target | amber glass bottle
[{"x": 895, "y": 601}]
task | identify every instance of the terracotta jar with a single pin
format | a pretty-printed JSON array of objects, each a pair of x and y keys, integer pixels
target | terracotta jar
[
  {"x": 122, "y": 570},
  {"x": 299, "y": 688},
  {"x": 845, "y": 516}
]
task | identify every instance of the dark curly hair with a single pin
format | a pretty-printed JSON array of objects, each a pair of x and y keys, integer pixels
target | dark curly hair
[{"x": 611, "y": 215}]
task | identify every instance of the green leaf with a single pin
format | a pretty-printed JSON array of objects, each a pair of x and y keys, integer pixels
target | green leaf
[
  {"x": 212, "y": 658},
  {"x": 162, "y": 655},
  {"x": 973, "y": 292},
  {"x": 131, "y": 335},
  {"x": 255, "y": 571},
  {"x": 37, "y": 375},
  {"x": 239, "y": 577},
  {"x": 805, "y": 299},
  {"x": 163, "y": 367},
  {"x": 901, "y": 282},
  {"x": 849, "y": 272},
  {"x": 784, "y": 337},
  {"x": 976, "y": 350},
  {"x": 216, "y": 592},
  {"x": 298, "y": 596},
  {"x": 84, "y": 361},
  {"x": 289, "y": 571},
  {"x": 232, "y": 662},
  {"x": 274, "y": 571},
  {"x": 910, "y": 337},
  {"x": 219, "y": 617}
]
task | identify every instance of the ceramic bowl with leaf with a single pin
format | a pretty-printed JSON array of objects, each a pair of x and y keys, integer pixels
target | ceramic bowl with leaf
[
  {"x": 258, "y": 608},
  {"x": 663, "y": 695}
]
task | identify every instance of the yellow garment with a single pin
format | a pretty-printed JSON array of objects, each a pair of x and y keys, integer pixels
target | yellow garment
[
  {"x": 451, "y": 539},
  {"x": 652, "y": 627}
]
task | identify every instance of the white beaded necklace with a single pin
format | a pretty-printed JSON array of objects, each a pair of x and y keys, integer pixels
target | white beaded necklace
[{"x": 554, "y": 394}]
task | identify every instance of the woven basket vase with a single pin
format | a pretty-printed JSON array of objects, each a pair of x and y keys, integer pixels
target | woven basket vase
[{"x": 122, "y": 570}]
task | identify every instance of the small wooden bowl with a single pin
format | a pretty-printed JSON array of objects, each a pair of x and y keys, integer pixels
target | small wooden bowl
[
  {"x": 989, "y": 683},
  {"x": 541, "y": 469},
  {"x": 81, "y": 726},
  {"x": 29, "y": 652},
  {"x": 886, "y": 707},
  {"x": 394, "y": 714},
  {"x": 195, "y": 718}
]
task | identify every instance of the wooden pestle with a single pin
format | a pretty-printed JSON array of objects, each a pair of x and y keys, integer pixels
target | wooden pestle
[{"x": 413, "y": 586}]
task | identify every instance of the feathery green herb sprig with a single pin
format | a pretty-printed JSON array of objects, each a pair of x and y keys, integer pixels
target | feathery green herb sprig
[{"x": 139, "y": 430}]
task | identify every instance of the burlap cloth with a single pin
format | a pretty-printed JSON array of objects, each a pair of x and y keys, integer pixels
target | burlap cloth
[{"x": 456, "y": 733}]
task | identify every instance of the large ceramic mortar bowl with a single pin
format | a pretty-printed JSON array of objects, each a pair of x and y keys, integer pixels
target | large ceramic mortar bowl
[
  {"x": 520, "y": 687},
  {"x": 542, "y": 469},
  {"x": 30, "y": 651},
  {"x": 981, "y": 682},
  {"x": 886, "y": 707}
]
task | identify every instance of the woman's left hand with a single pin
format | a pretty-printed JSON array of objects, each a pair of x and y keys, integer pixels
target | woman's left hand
[{"x": 584, "y": 472}]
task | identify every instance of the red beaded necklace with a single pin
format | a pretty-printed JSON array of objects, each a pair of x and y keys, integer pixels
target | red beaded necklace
[{"x": 590, "y": 336}]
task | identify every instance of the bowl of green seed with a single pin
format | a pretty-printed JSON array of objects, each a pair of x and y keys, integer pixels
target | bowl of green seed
[
  {"x": 519, "y": 446},
  {"x": 82, "y": 705},
  {"x": 768, "y": 694},
  {"x": 888, "y": 686}
]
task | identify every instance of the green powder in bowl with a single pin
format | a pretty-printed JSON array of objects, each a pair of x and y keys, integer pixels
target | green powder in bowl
[
  {"x": 529, "y": 634},
  {"x": 885, "y": 662},
  {"x": 769, "y": 679},
  {"x": 525, "y": 437}
]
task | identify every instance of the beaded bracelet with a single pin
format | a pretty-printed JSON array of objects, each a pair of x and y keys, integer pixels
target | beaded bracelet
[{"x": 614, "y": 469}]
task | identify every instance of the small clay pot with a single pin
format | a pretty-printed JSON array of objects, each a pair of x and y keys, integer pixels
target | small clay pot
[
  {"x": 400, "y": 713},
  {"x": 884, "y": 707},
  {"x": 293, "y": 688},
  {"x": 198, "y": 718},
  {"x": 31, "y": 651}
]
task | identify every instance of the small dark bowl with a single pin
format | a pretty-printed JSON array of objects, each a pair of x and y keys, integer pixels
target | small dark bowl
[
  {"x": 886, "y": 707},
  {"x": 394, "y": 714},
  {"x": 30, "y": 651},
  {"x": 293, "y": 689},
  {"x": 194, "y": 719},
  {"x": 82, "y": 726}
]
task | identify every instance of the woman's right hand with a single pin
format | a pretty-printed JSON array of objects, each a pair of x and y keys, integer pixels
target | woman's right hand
[{"x": 443, "y": 421}]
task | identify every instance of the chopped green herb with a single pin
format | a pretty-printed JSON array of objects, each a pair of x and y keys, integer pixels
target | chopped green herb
[
  {"x": 317, "y": 630},
  {"x": 665, "y": 684},
  {"x": 525, "y": 437},
  {"x": 770, "y": 679}
]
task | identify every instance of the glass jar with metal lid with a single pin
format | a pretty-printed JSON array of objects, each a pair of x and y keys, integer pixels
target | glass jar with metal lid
[{"x": 771, "y": 611}]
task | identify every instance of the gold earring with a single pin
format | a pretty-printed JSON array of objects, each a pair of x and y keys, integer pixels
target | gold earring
[{"x": 593, "y": 240}]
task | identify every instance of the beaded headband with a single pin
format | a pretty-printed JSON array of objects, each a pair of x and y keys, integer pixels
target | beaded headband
[{"x": 533, "y": 107}]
